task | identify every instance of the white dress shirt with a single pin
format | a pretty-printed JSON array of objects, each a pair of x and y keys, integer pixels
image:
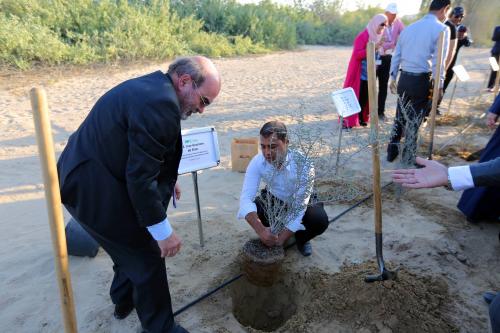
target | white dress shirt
[
  {"x": 460, "y": 178},
  {"x": 292, "y": 183},
  {"x": 416, "y": 49}
]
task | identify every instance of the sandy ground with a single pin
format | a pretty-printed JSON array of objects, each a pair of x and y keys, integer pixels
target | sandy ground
[{"x": 424, "y": 234}]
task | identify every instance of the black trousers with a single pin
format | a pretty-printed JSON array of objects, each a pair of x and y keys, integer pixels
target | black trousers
[
  {"x": 363, "y": 100},
  {"x": 315, "y": 219},
  {"x": 449, "y": 76},
  {"x": 140, "y": 273},
  {"x": 383, "y": 78},
  {"x": 493, "y": 75},
  {"x": 413, "y": 100}
]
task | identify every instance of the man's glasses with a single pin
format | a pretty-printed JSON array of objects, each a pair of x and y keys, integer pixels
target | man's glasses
[
  {"x": 203, "y": 100},
  {"x": 382, "y": 24},
  {"x": 459, "y": 16}
]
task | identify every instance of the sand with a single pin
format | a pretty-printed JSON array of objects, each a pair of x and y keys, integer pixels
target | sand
[{"x": 445, "y": 262}]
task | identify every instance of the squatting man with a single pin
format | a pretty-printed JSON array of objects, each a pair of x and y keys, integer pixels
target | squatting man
[{"x": 284, "y": 207}]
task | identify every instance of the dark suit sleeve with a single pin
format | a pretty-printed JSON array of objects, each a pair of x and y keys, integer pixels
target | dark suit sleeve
[
  {"x": 495, "y": 108},
  {"x": 152, "y": 135},
  {"x": 486, "y": 173}
]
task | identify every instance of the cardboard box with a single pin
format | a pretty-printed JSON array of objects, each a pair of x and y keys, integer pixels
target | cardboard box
[{"x": 242, "y": 151}]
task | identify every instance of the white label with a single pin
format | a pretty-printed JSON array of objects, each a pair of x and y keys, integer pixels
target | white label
[
  {"x": 200, "y": 149},
  {"x": 346, "y": 102},
  {"x": 461, "y": 73}
]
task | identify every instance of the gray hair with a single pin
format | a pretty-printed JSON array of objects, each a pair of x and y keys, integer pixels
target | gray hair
[{"x": 187, "y": 65}]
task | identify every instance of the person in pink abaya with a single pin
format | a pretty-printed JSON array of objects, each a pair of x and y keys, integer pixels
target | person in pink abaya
[{"x": 357, "y": 76}]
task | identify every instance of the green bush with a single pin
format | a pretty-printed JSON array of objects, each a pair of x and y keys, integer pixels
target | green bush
[{"x": 88, "y": 31}]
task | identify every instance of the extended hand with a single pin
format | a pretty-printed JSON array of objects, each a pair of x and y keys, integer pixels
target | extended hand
[
  {"x": 491, "y": 119},
  {"x": 433, "y": 174},
  {"x": 170, "y": 246},
  {"x": 268, "y": 238},
  {"x": 177, "y": 190},
  {"x": 393, "y": 86}
]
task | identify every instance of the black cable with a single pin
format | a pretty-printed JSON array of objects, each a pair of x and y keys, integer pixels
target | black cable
[{"x": 202, "y": 297}]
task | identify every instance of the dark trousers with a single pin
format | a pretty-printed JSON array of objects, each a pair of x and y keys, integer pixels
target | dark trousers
[
  {"x": 449, "y": 76},
  {"x": 140, "y": 272},
  {"x": 363, "y": 101},
  {"x": 140, "y": 277},
  {"x": 315, "y": 219},
  {"x": 493, "y": 75},
  {"x": 495, "y": 314},
  {"x": 383, "y": 77},
  {"x": 413, "y": 92}
]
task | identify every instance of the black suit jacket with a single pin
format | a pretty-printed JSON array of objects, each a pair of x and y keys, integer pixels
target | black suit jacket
[
  {"x": 119, "y": 168},
  {"x": 486, "y": 173}
]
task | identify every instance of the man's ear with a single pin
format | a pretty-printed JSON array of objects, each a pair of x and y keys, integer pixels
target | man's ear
[{"x": 184, "y": 80}]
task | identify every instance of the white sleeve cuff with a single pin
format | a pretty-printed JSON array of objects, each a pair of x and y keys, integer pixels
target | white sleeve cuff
[
  {"x": 460, "y": 177},
  {"x": 245, "y": 209},
  {"x": 160, "y": 231}
]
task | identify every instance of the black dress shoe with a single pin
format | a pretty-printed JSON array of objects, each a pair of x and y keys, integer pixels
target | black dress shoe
[
  {"x": 305, "y": 249},
  {"x": 123, "y": 310},
  {"x": 489, "y": 296},
  {"x": 179, "y": 329},
  {"x": 392, "y": 151},
  {"x": 176, "y": 329},
  {"x": 363, "y": 123}
]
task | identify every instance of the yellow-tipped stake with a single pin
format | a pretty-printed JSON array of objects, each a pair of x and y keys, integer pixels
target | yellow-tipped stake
[
  {"x": 377, "y": 193},
  {"x": 53, "y": 197}
]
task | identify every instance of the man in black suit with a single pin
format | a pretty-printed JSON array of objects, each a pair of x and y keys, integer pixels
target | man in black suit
[
  {"x": 118, "y": 173},
  {"x": 435, "y": 174}
]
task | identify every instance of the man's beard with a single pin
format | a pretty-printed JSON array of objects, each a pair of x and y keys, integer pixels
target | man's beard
[{"x": 186, "y": 109}]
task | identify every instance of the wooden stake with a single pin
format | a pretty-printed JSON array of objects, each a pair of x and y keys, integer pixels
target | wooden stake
[
  {"x": 372, "y": 100},
  {"x": 53, "y": 198},
  {"x": 435, "y": 92}
]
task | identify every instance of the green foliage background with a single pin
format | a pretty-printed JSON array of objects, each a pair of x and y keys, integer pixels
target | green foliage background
[{"x": 48, "y": 32}]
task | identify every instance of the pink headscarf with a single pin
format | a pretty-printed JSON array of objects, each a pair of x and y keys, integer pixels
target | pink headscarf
[{"x": 373, "y": 25}]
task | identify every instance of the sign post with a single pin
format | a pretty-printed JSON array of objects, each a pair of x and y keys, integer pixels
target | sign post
[
  {"x": 200, "y": 150},
  {"x": 462, "y": 75},
  {"x": 346, "y": 104}
]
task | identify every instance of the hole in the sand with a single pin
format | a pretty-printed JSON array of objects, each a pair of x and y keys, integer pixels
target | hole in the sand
[
  {"x": 343, "y": 302},
  {"x": 261, "y": 299}
]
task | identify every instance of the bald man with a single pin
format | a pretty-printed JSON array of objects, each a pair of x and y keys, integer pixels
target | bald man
[{"x": 118, "y": 173}]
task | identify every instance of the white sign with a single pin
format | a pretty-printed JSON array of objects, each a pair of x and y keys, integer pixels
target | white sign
[
  {"x": 346, "y": 102},
  {"x": 461, "y": 73},
  {"x": 494, "y": 64},
  {"x": 200, "y": 149}
]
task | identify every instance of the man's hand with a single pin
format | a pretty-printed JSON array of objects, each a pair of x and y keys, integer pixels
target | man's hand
[
  {"x": 284, "y": 236},
  {"x": 491, "y": 119},
  {"x": 177, "y": 190},
  {"x": 267, "y": 237},
  {"x": 170, "y": 246},
  {"x": 433, "y": 174},
  {"x": 264, "y": 233},
  {"x": 393, "y": 86}
]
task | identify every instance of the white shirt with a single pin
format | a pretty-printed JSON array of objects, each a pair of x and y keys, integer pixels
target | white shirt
[
  {"x": 416, "y": 50},
  {"x": 292, "y": 184},
  {"x": 460, "y": 177}
]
